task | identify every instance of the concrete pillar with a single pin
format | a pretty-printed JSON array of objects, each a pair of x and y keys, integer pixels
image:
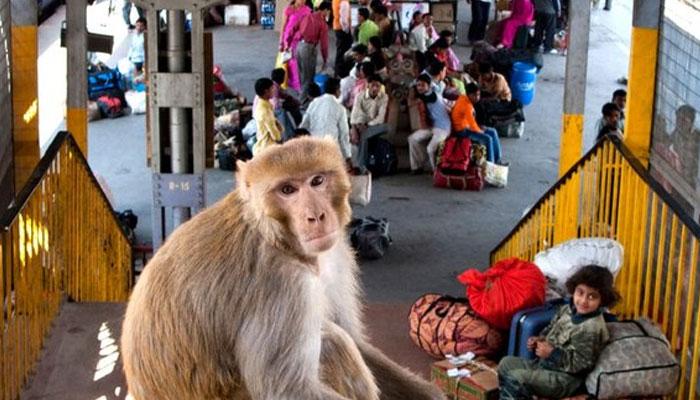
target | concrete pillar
[
  {"x": 25, "y": 89},
  {"x": 575, "y": 85},
  {"x": 76, "y": 38},
  {"x": 644, "y": 48}
]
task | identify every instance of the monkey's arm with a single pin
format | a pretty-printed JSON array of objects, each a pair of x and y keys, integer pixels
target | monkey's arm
[
  {"x": 278, "y": 345},
  {"x": 394, "y": 381}
]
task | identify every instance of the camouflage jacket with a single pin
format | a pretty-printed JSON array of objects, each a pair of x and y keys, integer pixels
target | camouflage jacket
[{"x": 577, "y": 340}]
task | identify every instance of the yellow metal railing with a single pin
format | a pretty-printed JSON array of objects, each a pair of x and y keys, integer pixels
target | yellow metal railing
[
  {"x": 609, "y": 194},
  {"x": 59, "y": 238}
]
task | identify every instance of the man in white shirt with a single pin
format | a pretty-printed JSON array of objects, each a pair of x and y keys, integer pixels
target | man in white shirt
[
  {"x": 423, "y": 35},
  {"x": 367, "y": 118},
  {"x": 327, "y": 117},
  {"x": 137, "y": 52}
]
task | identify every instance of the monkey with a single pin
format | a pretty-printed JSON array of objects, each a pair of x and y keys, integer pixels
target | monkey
[{"x": 257, "y": 297}]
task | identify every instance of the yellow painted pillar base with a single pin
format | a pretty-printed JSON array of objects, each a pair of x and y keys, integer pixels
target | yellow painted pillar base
[
  {"x": 76, "y": 122},
  {"x": 640, "y": 95},
  {"x": 571, "y": 142},
  {"x": 25, "y": 105}
]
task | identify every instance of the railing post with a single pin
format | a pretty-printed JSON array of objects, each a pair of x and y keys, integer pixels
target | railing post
[
  {"x": 575, "y": 85},
  {"x": 76, "y": 39},
  {"x": 25, "y": 92},
  {"x": 642, "y": 77}
]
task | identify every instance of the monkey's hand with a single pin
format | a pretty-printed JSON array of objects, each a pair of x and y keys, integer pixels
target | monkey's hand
[{"x": 342, "y": 366}]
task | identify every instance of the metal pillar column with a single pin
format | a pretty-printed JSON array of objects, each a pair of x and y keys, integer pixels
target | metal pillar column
[
  {"x": 76, "y": 37},
  {"x": 642, "y": 77},
  {"x": 25, "y": 92},
  {"x": 575, "y": 85},
  {"x": 179, "y": 124}
]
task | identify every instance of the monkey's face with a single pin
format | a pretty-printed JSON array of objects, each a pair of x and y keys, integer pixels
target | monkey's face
[
  {"x": 307, "y": 204},
  {"x": 298, "y": 194}
]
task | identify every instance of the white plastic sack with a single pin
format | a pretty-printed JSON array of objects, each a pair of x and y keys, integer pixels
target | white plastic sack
[
  {"x": 126, "y": 67},
  {"x": 361, "y": 189},
  {"x": 496, "y": 175},
  {"x": 136, "y": 101},
  {"x": 560, "y": 262}
]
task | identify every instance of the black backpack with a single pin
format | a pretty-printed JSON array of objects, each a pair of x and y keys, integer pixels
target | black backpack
[
  {"x": 382, "y": 158},
  {"x": 370, "y": 237}
]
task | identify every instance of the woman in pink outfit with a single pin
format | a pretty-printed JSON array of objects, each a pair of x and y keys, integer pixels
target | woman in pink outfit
[
  {"x": 522, "y": 13},
  {"x": 294, "y": 12}
]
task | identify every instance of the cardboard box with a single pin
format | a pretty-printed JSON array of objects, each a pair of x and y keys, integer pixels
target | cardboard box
[
  {"x": 237, "y": 14},
  {"x": 481, "y": 385},
  {"x": 443, "y": 12}
]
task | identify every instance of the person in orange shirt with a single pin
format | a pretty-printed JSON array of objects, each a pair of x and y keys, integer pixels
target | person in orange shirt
[
  {"x": 342, "y": 26},
  {"x": 464, "y": 123}
]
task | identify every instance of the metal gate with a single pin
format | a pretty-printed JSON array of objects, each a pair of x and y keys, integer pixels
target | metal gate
[{"x": 6, "y": 153}]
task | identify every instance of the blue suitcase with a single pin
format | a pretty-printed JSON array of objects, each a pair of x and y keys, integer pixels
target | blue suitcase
[{"x": 530, "y": 322}]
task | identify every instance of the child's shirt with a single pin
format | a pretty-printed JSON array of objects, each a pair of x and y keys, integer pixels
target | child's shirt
[{"x": 578, "y": 340}]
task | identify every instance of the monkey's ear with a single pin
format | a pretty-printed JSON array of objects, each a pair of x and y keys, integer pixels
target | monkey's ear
[{"x": 241, "y": 179}]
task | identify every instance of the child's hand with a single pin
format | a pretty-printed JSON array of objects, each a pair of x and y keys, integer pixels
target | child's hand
[{"x": 544, "y": 349}]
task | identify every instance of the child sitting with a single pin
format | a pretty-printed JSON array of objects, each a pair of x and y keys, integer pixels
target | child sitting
[{"x": 568, "y": 348}]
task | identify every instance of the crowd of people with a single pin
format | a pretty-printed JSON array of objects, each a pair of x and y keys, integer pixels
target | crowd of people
[{"x": 351, "y": 104}]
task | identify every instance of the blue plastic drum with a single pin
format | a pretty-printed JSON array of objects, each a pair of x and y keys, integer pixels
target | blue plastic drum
[{"x": 522, "y": 82}]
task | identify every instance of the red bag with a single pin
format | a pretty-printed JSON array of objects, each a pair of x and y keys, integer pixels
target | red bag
[
  {"x": 504, "y": 289},
  {"x": 471, "y": 180},
  {"x": 443, "y": 325},
  {"x": 455, "y": 156}
]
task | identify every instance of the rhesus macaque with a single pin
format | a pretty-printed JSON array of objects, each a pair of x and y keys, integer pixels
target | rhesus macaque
[{"x": 257, "y": 297}]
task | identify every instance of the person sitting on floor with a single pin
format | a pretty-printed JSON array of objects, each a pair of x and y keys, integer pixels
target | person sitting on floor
[
  {"x": 350, "y": 92},
  {"x": 493, "y": 85},
  {"x": 453, "y": 62},
  {"x": 609, "y": 122},
  {"x": 439, "y": 127},
  {"x": 569, "y": 347},
  {"x": 288, "y": 108},
  {"x": 327, "y": 117},
  {"x": 367, "y": 118},
  {"x": 376, "y": 56},
  {"x": 269, "y": 130},
  {"x": 438, "y": 73},
  {"x": 464, "y": 122}
]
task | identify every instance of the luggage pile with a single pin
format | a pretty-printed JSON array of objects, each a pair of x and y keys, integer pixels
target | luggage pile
[
  {"x": 106, "y": 87},
  {"x": 505, "y": 305},
  {"x": 457, "y": 166}
]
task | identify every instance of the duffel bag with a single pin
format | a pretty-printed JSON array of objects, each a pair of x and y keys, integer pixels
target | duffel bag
[
  {"x": 473, "y": 179},
  {"x": 442, "y": 325},
  {"x": 636, "y": 361},
  {"x": 370, "y": 237},
  {"x": 455, "y": 155}
]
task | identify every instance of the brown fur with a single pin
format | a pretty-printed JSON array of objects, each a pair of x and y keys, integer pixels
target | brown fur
[{"x": 234, "y": 307}]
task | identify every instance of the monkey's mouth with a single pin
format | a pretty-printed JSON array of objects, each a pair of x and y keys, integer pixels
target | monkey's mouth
[{"x": 320, "y": 237}]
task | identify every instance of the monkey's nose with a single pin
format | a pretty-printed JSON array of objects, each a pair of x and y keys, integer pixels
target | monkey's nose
[{"x": 317, "y": 218}]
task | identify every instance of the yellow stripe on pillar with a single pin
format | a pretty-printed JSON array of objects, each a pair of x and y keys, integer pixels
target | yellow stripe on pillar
[
  {"x": 78, "y": 127},
  {"x": 571, "y": 142},
  {"x": 24, "y": 101},
  {"x": 640, "y": 96}
]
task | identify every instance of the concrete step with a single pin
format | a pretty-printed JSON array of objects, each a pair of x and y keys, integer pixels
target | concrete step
[{"x": 81, "y": 358}]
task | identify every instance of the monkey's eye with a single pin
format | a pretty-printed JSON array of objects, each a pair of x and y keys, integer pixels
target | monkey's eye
[
  {"x": 317, "y": 180},
  {"x": 288, "y": 189}
]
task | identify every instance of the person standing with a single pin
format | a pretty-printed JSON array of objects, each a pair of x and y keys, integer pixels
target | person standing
[
  {"x": 327, "y": 117},
  {"x": 367, "y": 27},
  {"x": 137, "y": 52},
  {"x": 312, "y": 32},
  {"x": 480, "y": 17},
  {"x": 295, "y": 11},
  {"x": 342, "y": 26},
  {"x": 126, "y": 13},
  {"x": 546, "y": 12},
  {"x": 521, "y": 13}
]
